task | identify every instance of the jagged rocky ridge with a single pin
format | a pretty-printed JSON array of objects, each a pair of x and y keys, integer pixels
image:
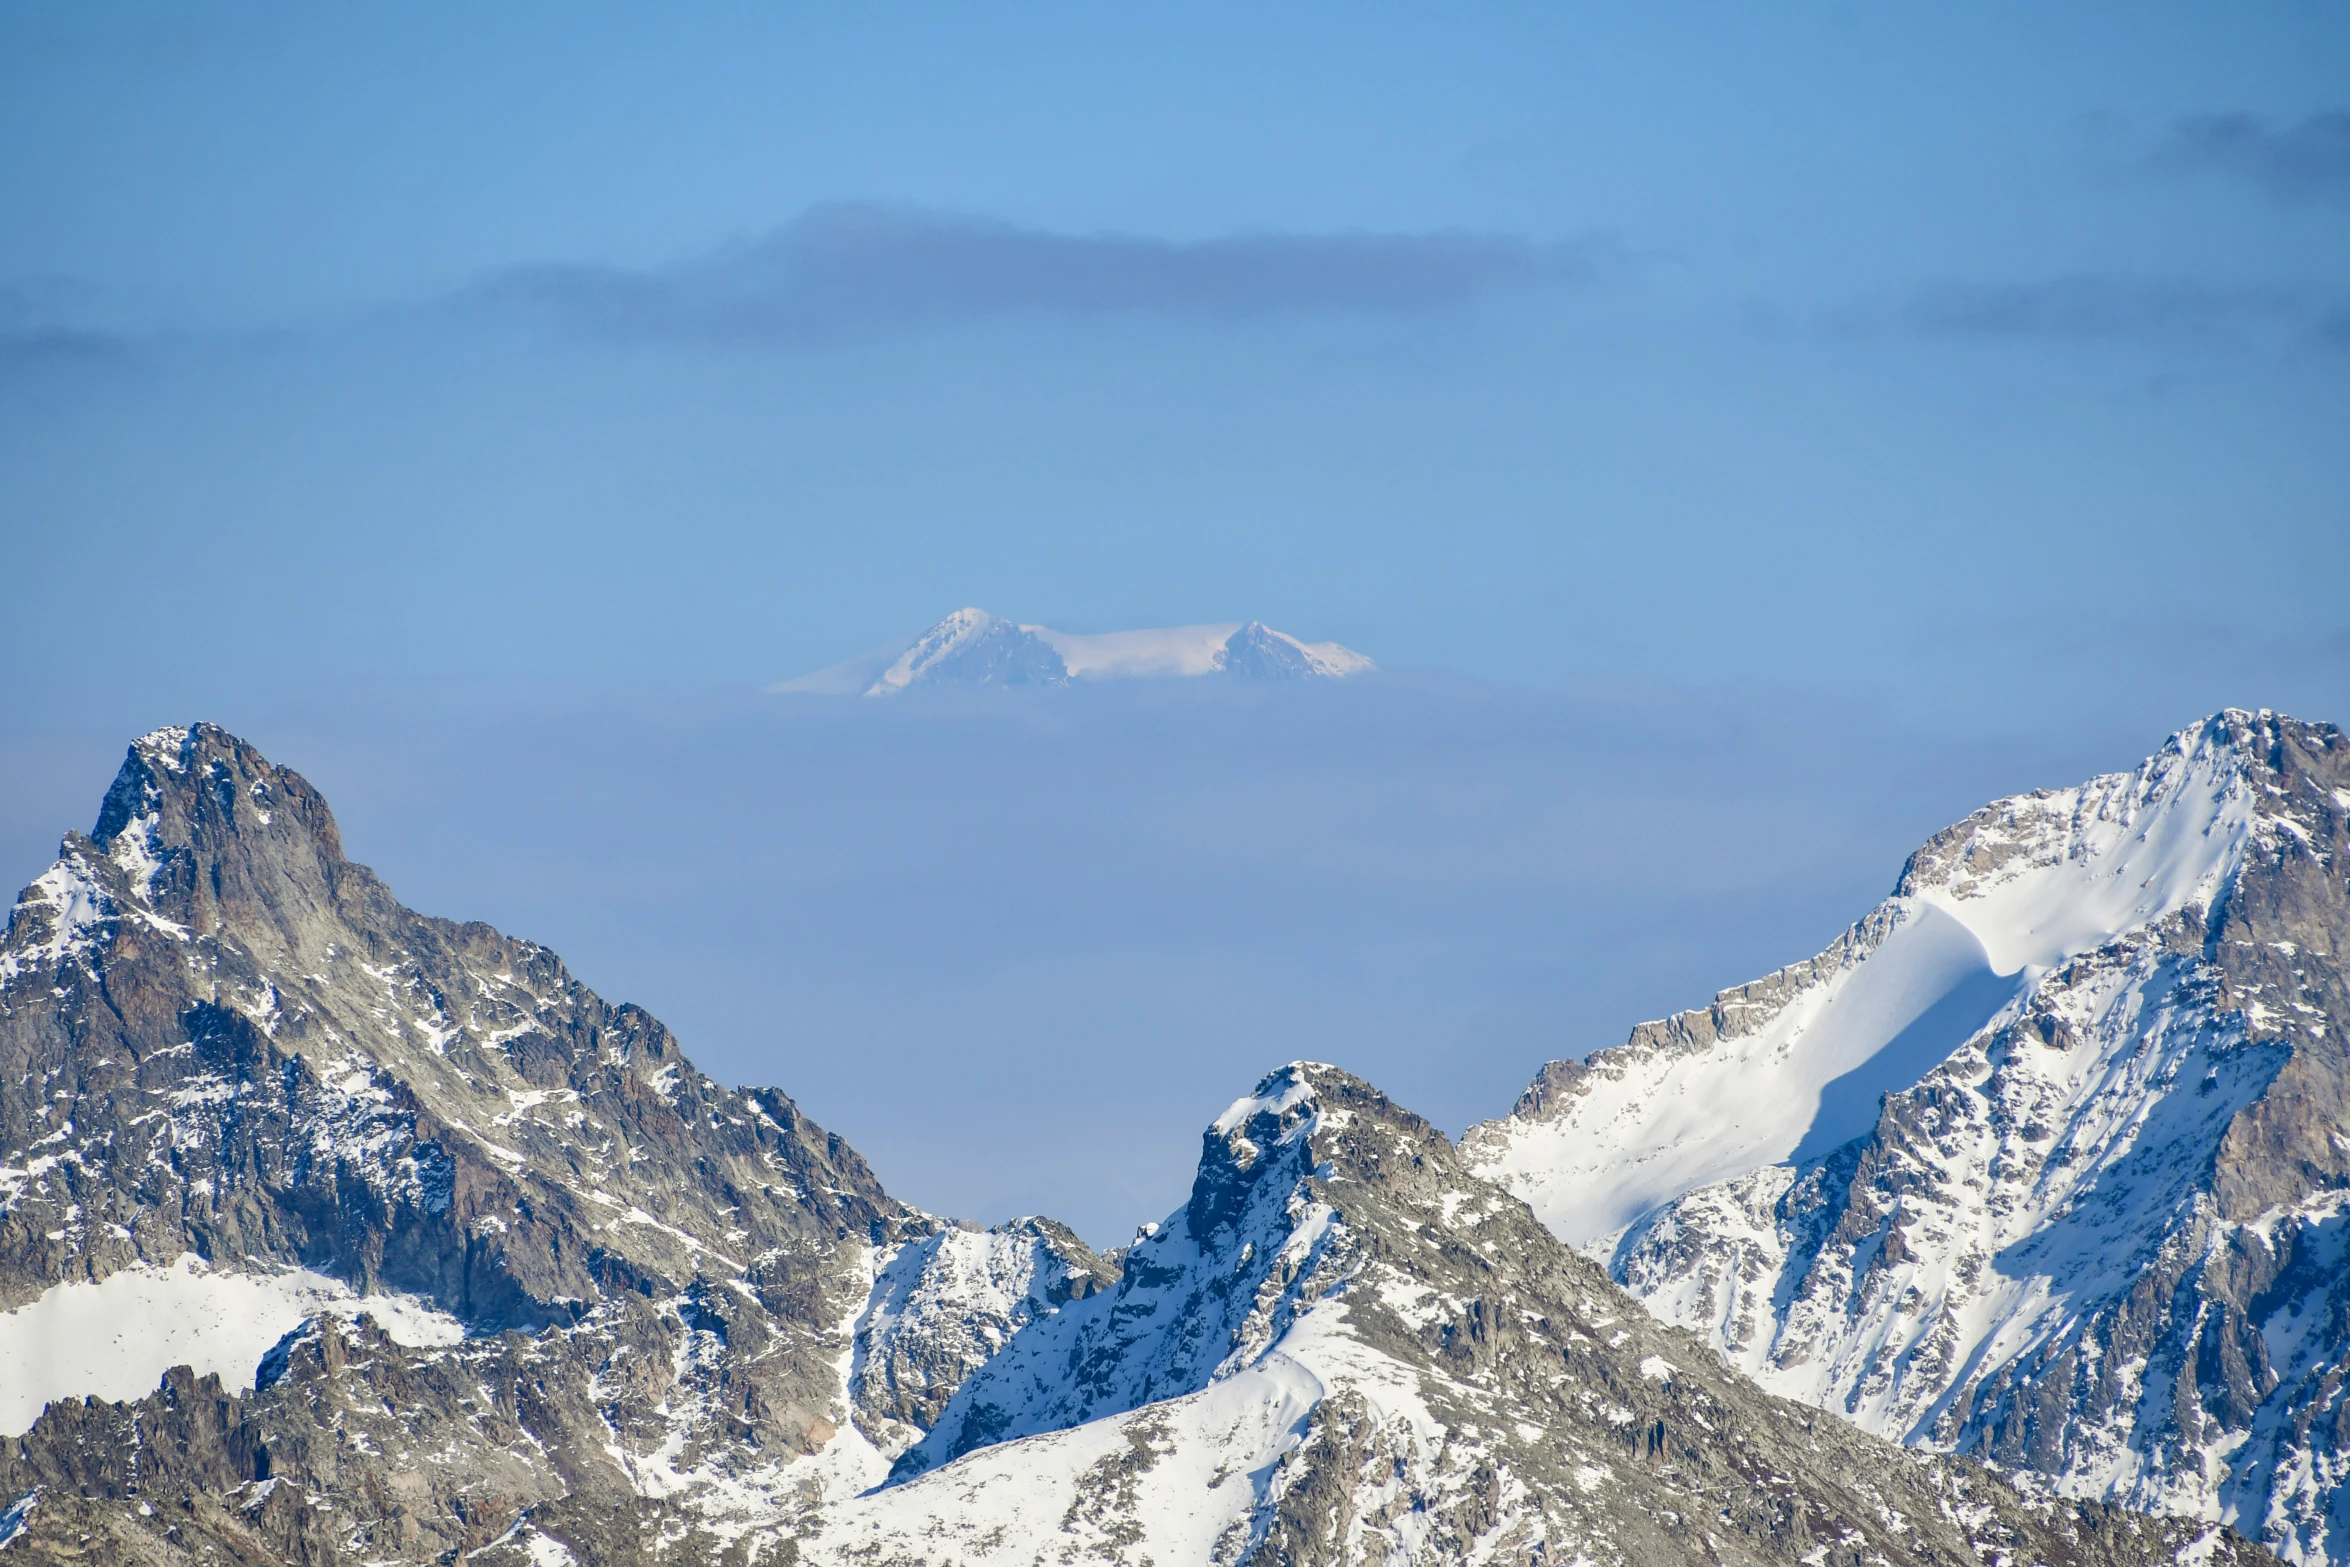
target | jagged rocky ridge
[
  {"x": 2044, "y": 1161},
  {"x": 219, "y": 1037},
  {"x": 589, "y": 1307},
  {"x": 1347, "y": 1348}
]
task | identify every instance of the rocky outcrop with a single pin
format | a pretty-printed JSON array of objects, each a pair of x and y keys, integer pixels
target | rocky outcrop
[
  {"x": 945, "y": 1304},
  {"x": 1347, "y": 1348}
]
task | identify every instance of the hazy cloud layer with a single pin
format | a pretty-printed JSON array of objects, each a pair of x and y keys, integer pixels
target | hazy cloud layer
[
  {"x": 2308, "y": 158},
  {"x": 43, "y": 321},
  {"x": 2090, "y": 307},
  {"x": 1019, "y": 946},
  {"x": 42, "y": 347},
  {"x": 850, "y": 271}
]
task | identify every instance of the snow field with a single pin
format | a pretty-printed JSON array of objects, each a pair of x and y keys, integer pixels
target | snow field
[{"x": 115, "y": 1339}]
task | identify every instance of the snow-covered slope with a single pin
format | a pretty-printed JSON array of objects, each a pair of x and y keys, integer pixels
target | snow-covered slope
[
  {"x": 115, "y": 1338},
  {"x": 2044, "y": 1160},
  {"x": 972, "y": 647},
  {"x": 1794, "y": 1063}
]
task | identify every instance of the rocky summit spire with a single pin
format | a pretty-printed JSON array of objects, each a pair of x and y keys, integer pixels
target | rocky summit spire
[{"x": 212, "y": 836}]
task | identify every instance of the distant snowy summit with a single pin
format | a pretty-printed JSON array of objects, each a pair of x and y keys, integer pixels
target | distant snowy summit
[{"x": 974, "y": 648}]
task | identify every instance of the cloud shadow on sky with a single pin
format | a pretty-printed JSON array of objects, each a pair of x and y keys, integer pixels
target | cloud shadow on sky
[
  {"x": 854, "y": 271},
  {"x": 2088, "y": 307},
  {"x": 2310, "y": 157}
]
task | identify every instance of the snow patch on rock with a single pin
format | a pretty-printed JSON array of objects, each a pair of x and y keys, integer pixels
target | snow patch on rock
[{"x": 114, "y": 1339}]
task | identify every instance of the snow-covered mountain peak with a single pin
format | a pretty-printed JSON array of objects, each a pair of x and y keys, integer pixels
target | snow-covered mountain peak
[
  {"x": 2043, "y": 1160},
  {"x": 957, "y": 631},
  {"x": 1201, "y": 1295},
  {"x": 1347, "y": 1349},
  {"x": 973, "y": 647},
  {"x": 166, "y": 747},
  {"x": 1257, "y": 652},
  {"x": 2042, "y": 877},
  {"x": 1793, "y": 1063},
  {"x": 1280, "y": 1093}
]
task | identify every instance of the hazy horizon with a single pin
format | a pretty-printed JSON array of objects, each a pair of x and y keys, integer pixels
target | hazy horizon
[{"x": 1019, "y": 946}]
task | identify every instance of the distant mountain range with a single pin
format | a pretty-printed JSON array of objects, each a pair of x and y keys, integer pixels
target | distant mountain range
[
  {"x": 2008, "y": 1230},
  {"x": 974, "y": 648}
]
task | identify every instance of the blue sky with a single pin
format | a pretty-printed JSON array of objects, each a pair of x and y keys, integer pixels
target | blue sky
[
  {"x": 1940, "y": 399},
  {"x": 1489, "y": 342}
]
